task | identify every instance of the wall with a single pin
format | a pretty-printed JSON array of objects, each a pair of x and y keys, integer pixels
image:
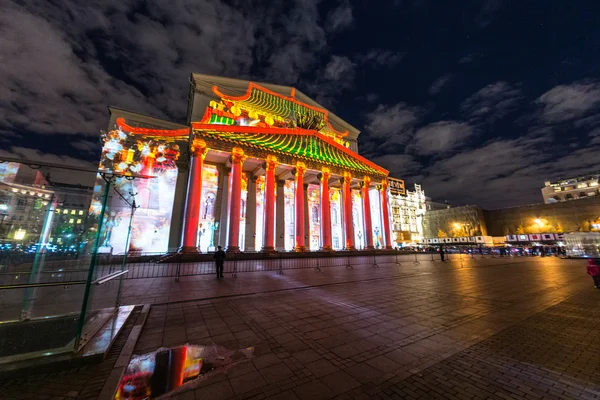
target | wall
[
  {"x": 470, "y": 220},
  {"x": 571, "y": 216}
]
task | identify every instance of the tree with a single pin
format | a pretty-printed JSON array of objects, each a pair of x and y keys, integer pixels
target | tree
[{"x": 442, "y": 234}]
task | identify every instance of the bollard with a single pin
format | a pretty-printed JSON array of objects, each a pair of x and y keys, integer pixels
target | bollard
[
  {"x": 397, "y": 262},
  {"x": 432, "y": 260},
  {"x": 416, "y": 260},
  {"x": 348, "y": 266},
  {"x": 234, "y": 273},
  {"x": 280, "y": 270},
  {"x": 375, "y": 260},
  {"x": 318, "y": 267},
  {"x": 177, "y": 270}
]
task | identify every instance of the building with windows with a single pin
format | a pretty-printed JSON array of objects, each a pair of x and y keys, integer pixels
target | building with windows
[
  {"x": 407, "y": 211},
  {"x": 28, "y": 200},
  {"x": 257, "y": 167},
  {"x": 580, "y": 187}
]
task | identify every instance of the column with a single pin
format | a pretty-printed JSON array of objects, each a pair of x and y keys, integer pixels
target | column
[
  {"x": 385, "y": 214},
  {"x": 299, "y": 203},
  {"x": 250, "y": 215},
  {"x": 325, "y": 210},
  {"x": 365, "y": 185},
  {"x": 237, "y": 160},
  {"x": 222, "y": 205},
  {"x": 269, "y": 222},
  {"x": 306, "y": 218},
  {"x": 194, "y": 193},
  {"x": 348, "y": 211}
]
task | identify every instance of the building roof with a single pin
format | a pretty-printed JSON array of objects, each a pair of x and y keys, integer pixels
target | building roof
[{"x": 230, "y": 87}]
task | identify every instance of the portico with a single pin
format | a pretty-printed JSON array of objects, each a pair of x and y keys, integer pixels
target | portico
[{"x": 270, "y": 170}]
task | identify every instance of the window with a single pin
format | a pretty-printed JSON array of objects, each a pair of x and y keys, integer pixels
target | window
[
  {"x": 65, "y": 211},
  {"x": 58, "y": 210},
  {"x": 79, "y": 220},
  {"x": 71, "y": 220},
  {"x": 73, "y": 212},
  {"x": 80, "y": 212},
  {"x": 21, "y": 203}
]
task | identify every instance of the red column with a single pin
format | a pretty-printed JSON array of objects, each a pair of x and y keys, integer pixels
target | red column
[
  {"x": 299, "y": 172},
  {"x": 144, "y": 185},
  {"x": 269, "y": 225},
  {"x": 191, "y": 217},
  {"x": 237, "y": 160},
  {"x": 348, "y": 212},
  {"x": 367, "y": 212},
  {"x": 385, "y": 214},
  {"x": 325, "y": 211}
]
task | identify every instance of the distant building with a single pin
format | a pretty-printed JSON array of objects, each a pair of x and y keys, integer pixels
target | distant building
[
  {"x": 431, "y": 205},
  {"x": 580, "y": 187},
  {"x": 565, "y": 216},
  {"x": 455, "y": 222},
  {"x": 407, "y": 213},
  {"x": 27, "y": 199}
]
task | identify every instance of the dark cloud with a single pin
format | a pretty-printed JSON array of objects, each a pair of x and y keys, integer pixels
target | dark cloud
[
  {"x": 440, "y": 137},
  {"x": 377, "y": 58},
  {"x": 491, "y": 103},
  {"x": 340, "y": 17},
  {"x": 395, "y": 122},
  {"x": 439, "y": 84},
  {"x": 568, "y": 102}
]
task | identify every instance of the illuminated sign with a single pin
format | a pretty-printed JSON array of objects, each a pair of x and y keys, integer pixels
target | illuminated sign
[{"x": 396, "y": 186}]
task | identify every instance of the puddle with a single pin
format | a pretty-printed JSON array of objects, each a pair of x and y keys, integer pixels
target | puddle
[{"x": 167, "y": 370}]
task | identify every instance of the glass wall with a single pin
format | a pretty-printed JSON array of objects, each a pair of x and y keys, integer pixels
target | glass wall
[{"x": 53, "y": 221}]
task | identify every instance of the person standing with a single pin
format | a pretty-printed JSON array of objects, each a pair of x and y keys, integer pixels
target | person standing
[
  {"x": 219, "y": 257},
  {"x": 442, "y": 253},
  {"x": 593, "y": 270}
]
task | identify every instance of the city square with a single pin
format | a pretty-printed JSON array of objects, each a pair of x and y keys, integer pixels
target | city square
[
  {"x": 481, "y": 328},
  {"x": 309, "y": 199}
]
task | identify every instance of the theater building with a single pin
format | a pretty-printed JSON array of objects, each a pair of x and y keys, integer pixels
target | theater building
[{"x": 257, "y": 167}]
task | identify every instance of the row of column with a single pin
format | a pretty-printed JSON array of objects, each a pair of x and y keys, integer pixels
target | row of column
[{"x": 194, "y": 193}]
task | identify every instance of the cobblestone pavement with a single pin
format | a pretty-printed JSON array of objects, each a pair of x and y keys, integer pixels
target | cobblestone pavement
[{"x": 497, "y": 329}]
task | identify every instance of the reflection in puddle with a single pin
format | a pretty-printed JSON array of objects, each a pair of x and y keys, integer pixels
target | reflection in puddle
[{"x": 151, "y": 375}]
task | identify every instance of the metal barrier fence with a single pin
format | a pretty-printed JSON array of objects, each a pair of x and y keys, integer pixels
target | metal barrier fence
[{"x": 163, "y": 266}]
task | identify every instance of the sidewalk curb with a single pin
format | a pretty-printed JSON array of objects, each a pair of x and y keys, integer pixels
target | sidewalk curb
[{"x": 114, "y": 378}]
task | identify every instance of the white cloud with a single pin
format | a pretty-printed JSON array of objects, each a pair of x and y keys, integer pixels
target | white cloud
[
  {"x": 399, "y": 165},
  {"x": 340, "y": 18},
  {"x": 439, "y": 84},
  {"x": 339, "y": 69},
  {"x": 381, "y": 58},
  {"x": 440, "y": 137},
  {"x": 393, "y": 122},
  {"x": 568, "y": 102},
  {"x": 491, "y": 103}
]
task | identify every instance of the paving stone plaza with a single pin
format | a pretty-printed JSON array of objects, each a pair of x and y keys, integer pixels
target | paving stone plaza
[{"x": 494, "y": 328}]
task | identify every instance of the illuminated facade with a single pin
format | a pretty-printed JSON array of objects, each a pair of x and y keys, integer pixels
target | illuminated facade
[
  {"x": 258, "y": 167},
  {"x": 407, "y": 211}
]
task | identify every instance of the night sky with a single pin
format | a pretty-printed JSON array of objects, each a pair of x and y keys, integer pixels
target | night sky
[{"x": 480, "y": 101}]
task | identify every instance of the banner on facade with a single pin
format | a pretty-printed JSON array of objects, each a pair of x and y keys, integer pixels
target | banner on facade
[
  {"x": 512, "y": 238},
  {"x": 547, "y": 236},
  {"x": 396, "y": 186}
]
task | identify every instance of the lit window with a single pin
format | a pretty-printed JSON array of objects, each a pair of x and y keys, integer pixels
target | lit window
[
  {"x": 71, "y": 220},
  {"x": 65, "y": 211},
  {"x": 73, "y": 212},
  {"x": 58, "y": 210},
  {"x": 80, "y": 212},
  {"x": 79, "y": 220}
]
